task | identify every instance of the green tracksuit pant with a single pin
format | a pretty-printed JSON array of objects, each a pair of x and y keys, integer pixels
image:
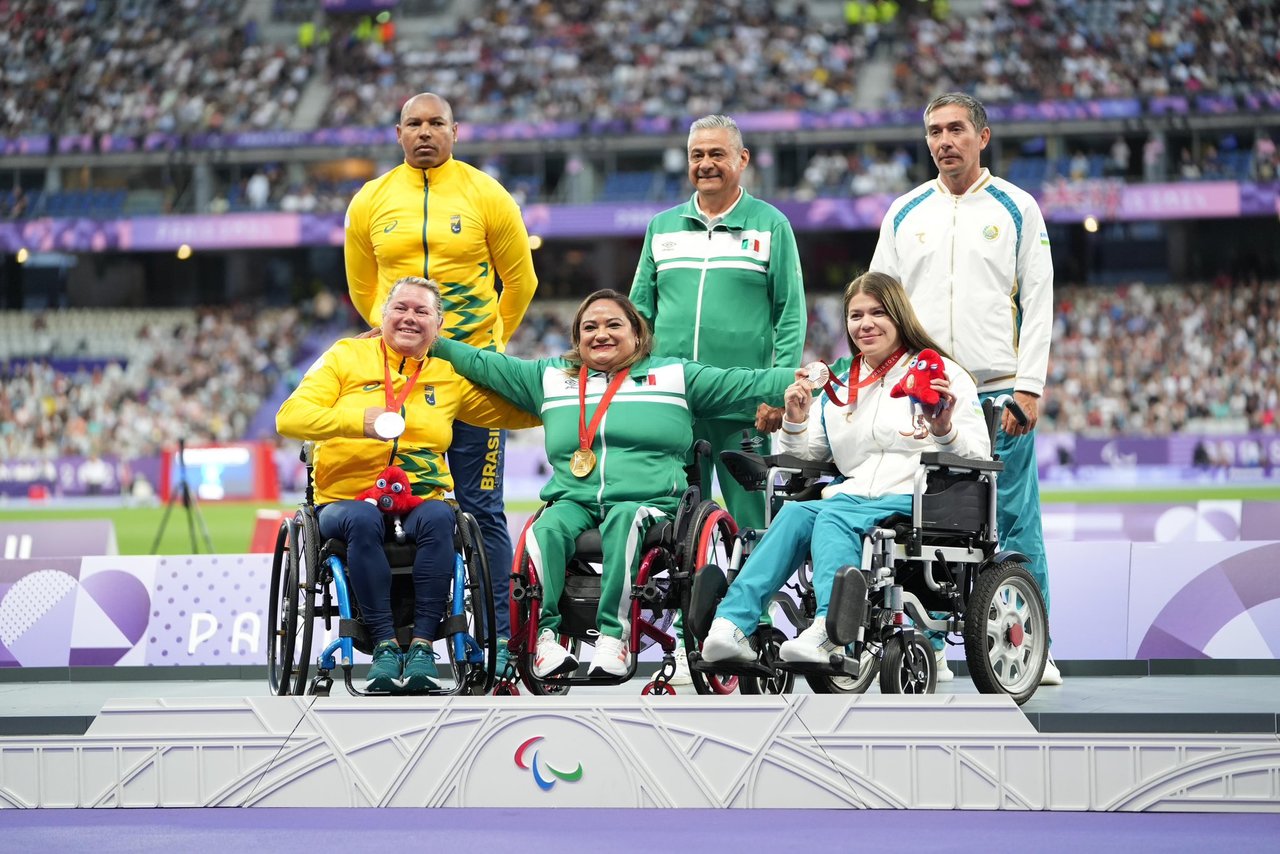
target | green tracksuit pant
[
  {"x": 549, "y": 544},
  {"x": 746, "y": 508}
]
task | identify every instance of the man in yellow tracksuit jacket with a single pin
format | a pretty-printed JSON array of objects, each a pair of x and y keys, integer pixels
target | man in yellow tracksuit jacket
[{"x": 436, "y": 217}]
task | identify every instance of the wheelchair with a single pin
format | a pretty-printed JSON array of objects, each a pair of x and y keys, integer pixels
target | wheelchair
[
  {"x": 943, "y": 559},
  {"x": 699, "y": 531},
  {"x": 309, "y": 582}
]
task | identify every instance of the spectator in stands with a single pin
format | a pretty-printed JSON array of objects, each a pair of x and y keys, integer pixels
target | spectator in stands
[
  {"x": 467, "y": 232},
  {"x": 971, "y": 249},
  {"x": 360, "y": 427}
]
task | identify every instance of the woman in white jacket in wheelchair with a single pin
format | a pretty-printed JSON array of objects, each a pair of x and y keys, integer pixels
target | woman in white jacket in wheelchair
[{"x": 875, "y": 440}]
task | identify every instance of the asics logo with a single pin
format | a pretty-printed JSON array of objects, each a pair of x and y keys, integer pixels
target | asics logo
[
  {"x": 544, "y": 783},
  {"x": 391, "y": 227}
]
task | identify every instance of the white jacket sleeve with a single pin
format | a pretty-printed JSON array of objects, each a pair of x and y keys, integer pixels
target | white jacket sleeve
[
  {"x": 1035, "y": 296},
  {"x": 968, "y": 436},
  {"x": 808, "y": 441}
]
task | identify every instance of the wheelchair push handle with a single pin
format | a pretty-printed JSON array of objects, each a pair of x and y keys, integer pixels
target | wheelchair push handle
[{"x": 991, "y": 409}]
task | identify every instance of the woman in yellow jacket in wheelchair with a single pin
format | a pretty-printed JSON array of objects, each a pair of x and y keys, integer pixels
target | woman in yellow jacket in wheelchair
[
  {"x": 875, "y": 439},
  {"x": 374, "y": 402}
]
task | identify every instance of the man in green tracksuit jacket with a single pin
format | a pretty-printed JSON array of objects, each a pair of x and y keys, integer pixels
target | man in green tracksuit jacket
[
  {"x": 638, "y": 451},
  {"x": 719, "y": 281}
]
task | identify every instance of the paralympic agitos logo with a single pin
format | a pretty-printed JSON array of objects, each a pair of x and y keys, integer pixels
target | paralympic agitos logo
[{"x": 544, "y": 783}]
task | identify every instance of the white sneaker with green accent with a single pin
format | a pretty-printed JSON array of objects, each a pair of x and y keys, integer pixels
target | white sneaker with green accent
[
  {"x": 681, "y": 676},
  {"x": 944, "y": 669}
]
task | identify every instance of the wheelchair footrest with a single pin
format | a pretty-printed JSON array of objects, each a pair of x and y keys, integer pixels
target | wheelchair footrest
[
  {"x": 839, "y": 665},
  {"x": 731, "y": 668}
]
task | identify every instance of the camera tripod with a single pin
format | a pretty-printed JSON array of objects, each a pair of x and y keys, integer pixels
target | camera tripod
[{"x": 188, "y": 498}]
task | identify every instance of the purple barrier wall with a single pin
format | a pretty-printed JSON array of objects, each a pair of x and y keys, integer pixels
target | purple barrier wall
[
  {"x": 1111, "y": 601},
  {"x": 1063, "y": 203}
]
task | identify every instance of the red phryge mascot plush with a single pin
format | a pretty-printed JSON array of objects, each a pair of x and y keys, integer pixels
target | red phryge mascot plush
[
  {"x": 916, "y": 385},
  {"x": 391, "y": 493}
]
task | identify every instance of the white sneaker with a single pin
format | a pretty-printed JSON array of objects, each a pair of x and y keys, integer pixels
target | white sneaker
[
  {"x": 944, "y": 669},
  {"x": 681, "y": 676},
  {"x": 611, "y": 657},
  {"x": 810, "y": 646},
  {"x": 1052, "y": 675},
  {"x": 726, "y": 642},
  {"x": 552, "y": 659}
]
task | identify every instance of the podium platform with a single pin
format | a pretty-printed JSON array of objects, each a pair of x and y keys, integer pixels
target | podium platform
[{"x": 950, "y": 751}]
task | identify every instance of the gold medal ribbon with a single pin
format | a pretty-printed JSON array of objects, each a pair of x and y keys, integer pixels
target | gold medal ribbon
[{"x": 584, "y": 459}]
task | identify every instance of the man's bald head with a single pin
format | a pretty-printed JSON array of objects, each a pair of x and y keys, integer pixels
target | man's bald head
[{"x": 426, "y": 131}]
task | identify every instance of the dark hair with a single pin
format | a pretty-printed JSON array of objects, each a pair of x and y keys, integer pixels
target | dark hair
[
  {"x": 897, "y": 305},
  {"x": 977, "y": 112},
  {"x": 644, "y": 338}
]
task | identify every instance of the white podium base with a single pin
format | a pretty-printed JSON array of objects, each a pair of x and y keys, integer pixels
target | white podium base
[{"x": 802, "y": 751}]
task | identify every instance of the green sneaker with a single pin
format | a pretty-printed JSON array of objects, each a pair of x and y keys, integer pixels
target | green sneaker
[
  {"x": 502, "y": 660},
  {"x": 384, "y": 673},
  {"x": 420, "y": 668}
]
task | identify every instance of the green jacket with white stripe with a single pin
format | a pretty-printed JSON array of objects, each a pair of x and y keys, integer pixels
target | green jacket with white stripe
[
  {"x": 729, "y": 297},
  {"x": 646, "y": 432}
]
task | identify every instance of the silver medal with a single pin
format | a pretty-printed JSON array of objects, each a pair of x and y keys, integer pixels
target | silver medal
[
  {"x": 818, "y": 374},
  {"x": 389, "y": 425}
]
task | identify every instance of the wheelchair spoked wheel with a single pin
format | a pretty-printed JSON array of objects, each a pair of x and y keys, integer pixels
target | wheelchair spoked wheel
[
  {"x": 710, "y": 541},
  {"x": 478, "y": 608},
  {"x": 781, "y": 682},
  {"x": 291, "y": 612},
  {"x": 868, "y": 670},
  {"x": 908, "y": 665},
  {"x": 1006, "y": 632}
]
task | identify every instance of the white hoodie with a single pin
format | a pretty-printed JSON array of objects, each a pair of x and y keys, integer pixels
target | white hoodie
[{"x": 869, "y": 447}]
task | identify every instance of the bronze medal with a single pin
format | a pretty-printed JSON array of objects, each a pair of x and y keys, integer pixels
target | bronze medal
[{"x": 582, "y": 462}]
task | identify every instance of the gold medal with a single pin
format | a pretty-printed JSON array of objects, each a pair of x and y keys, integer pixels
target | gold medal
[{"x": 582, "y": 462}]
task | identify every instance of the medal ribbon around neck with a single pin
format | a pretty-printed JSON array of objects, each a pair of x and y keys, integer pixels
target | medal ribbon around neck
[
  {"x": 880, "y": 370},
  {"x": 394, "y": 401},
  {"x": 587, "y": 433}
]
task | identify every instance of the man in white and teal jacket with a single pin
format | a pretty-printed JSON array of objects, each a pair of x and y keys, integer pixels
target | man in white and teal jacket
[
  {"x": 638, "y": 450},
  {"x": 719, "y": 281}
]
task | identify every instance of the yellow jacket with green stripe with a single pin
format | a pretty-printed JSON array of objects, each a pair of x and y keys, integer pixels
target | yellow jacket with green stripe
[
  {"x": 454, "y": 224},
  {"x": 328, "y": 407}
]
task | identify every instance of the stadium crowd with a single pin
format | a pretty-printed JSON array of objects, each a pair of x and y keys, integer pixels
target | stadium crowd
[
  {"x": 1085, "y": 49},
  {"x": 201, "y": 379}
]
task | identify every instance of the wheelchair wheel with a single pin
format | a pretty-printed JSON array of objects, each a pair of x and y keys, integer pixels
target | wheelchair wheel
[
  {"x": 709, "y": 541},
  {"x": 868, "y": 669},
  {"x": 291, "y": 613},
  {"x": 908, "y": 666},
  {"x": 782, "y": 681},
  {"x": 1006, "y": 632},
  {"x": 478, "y": 608}
]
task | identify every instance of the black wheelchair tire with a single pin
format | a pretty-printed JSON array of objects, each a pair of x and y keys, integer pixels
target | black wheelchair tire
[
  {"x": 782, "y": 681},
  {"x": 868, "y": 670},
  {"x": 907, "y": 666},
  {"x": 703, "y": 683},
  {"x": 992, "y": 666},
  {"x": 482, "y": 619},
  {"x": 306, "y": 547},
  {"x": 282, "y": 613}
]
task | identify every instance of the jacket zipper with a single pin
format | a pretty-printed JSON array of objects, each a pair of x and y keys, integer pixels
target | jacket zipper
[
  {"x": 702, "y": 280},
  {"x": 951, "y": 279},
  {"x": 426, "y": 253}
]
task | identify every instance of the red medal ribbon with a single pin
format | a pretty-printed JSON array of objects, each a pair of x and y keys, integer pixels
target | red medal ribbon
[
  {"x": 394, "y": 402},
  {"x": 881, "y": 369},
  {"x": 587, "y": 434}
]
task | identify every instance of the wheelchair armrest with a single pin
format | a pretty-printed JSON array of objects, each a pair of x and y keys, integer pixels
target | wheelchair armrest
[
  {"x": 941, "y": 459},
  {"x": 747, "y": 468},
  {"x": 804, "y": 468}
]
